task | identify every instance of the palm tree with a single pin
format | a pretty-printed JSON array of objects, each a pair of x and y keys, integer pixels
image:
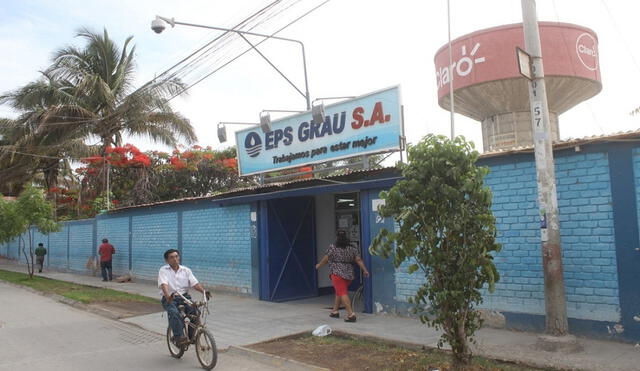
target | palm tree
[
  {"x": 86, "y": 93},
  {"x": 31, "y": 143},
  {"x": 101, "y": 76}
]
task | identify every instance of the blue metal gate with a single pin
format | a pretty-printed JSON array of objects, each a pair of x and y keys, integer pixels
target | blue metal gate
[{"x": 290, "y": 249}]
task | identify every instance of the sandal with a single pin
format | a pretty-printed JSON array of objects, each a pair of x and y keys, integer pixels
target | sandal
[
  {"x": 351, "y": 318},
  {"x": 334, "y": 314}
]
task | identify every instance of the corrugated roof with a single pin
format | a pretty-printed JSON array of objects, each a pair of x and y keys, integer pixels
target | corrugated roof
[
  {"x": 351, "y": 175},
  {"x": 622, "y": 136}
]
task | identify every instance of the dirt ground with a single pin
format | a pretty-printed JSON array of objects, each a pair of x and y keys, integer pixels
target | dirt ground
[
  {"x": 342, "y": 353},
  {"x": 129, "y": 309}
]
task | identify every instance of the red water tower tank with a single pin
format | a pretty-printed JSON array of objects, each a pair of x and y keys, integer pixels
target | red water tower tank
[{"x": 488, "y": 87}]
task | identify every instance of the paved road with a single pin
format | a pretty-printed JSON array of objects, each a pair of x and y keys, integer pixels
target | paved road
[{"x": 38, "y": 333}]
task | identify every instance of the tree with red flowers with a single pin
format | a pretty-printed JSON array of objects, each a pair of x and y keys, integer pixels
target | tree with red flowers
[{"x": 137, "y": 178}]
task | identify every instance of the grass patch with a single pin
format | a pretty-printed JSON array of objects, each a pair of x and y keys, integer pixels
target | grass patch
[
  {"x": 342, "y": 352},
  {"x": 81, "y": 293}
]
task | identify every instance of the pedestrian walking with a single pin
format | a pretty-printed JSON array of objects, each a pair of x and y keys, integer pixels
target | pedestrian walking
[
  {"x": 340, "y": 257},
  {"x": 106, "y": 252},
  {"x": 40, "y": 253}
]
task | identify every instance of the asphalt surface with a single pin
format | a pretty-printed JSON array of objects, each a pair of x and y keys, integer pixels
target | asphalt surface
[{"x": 38, "y": 333}]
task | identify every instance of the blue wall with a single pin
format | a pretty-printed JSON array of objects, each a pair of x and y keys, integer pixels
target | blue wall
[
  {"x": 215, "y": 242},
  {"x": 80, "y": 244},
  {"x": 116, "y": 230},
  {"x": 591, "y": 245},
  {"x": 587, "y": 238},
  {"x": 58, "y": 248},
  {"x": 217, "y": 245},
  {"x": 152, "y": 235}
]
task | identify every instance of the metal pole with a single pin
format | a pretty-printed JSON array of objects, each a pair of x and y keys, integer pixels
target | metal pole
[
  {"x": 554, "y": 294},
  {"x": 451, "y": 100},
  {"x": 108, "y": 191},
  {"x": 242, "y": 33},
  {"x": 306, "y": 80}
]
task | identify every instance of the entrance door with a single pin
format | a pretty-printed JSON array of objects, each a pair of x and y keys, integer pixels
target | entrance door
[
  {"x": 291, "y": 249},
  {"x": 347, "y": 209}
]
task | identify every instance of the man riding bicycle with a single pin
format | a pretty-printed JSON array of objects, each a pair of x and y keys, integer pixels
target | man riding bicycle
[{"x": 175, "y": 278}]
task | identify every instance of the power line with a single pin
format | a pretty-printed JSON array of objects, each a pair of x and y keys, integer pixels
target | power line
[
  {"x": 621, "y": 35},
  {"x": 184, "y": 69},
  {"x": 44, "y": 156},
  {"x": 211, "y": 47},
  {"x": 228, "y": 38},
  {"x": 573, "y": 67},
  {"x": 249, "y": 49}
]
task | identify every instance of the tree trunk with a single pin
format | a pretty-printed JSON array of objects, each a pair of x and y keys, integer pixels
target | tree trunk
[
  {"x": 50, "y": 172},
  {"x": 26, "y": 257},
  {"x": 461, "y": 353}
]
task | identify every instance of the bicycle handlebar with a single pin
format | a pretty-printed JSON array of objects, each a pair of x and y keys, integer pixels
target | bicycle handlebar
[{"x": 204, "y": 299}]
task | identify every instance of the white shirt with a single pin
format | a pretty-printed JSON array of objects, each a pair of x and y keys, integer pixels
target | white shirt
[{"x": 177, "y": 281}]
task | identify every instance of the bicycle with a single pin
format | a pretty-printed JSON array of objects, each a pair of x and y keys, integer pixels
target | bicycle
[
  {"x": 357, "y": 303},
  {"x": 197, "y": 333}
]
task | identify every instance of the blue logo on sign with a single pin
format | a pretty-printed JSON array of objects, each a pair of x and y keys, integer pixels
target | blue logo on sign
[{"x": 253, "y": 144}]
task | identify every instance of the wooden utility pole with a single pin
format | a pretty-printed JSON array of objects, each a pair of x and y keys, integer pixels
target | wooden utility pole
[{"x": 554, "y": 296}]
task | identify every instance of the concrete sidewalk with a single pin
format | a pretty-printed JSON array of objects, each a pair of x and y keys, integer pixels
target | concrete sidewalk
[{"x": 240, "y": 321}]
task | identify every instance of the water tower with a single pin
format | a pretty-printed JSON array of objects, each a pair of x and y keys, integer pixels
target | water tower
[{"x": 488, "y": 87}]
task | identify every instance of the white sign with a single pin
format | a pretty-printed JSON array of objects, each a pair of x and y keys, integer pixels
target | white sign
[
  {"x": 376, "y": 203},
  {"x": 364, "y": 125}
]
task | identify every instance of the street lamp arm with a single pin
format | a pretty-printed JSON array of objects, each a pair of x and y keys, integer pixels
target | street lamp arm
[
  {"x": 172, "y": 22},
  {"x": 273, "y": 65},
  {"x": 238, "y": 123}
]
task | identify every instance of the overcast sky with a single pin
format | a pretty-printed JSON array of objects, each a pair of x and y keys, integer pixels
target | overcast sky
[{"x": 353, "y": 47}]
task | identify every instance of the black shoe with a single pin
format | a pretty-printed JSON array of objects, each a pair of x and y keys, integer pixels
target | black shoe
[
  {"x": 334, "y": 314},
  {"x": 182, "y": 341},
  {"x": 104, "y": 280}
]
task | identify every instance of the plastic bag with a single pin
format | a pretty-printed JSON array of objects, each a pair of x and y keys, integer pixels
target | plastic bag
[{"x": 322, "y": 330}]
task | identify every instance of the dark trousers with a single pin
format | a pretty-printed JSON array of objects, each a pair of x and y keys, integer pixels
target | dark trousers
[
  {"x": 105, "y": 267},
  {"x": 39, "y": 262},
  {"x": 175, "y": 319}
]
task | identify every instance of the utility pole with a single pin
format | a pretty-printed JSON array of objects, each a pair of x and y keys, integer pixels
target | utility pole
[
  {"x": 451, "y": 99},
  {"x": 554, "y": 296}
]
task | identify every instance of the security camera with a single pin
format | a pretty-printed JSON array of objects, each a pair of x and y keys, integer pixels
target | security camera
[{"x": 157, "y": 25}]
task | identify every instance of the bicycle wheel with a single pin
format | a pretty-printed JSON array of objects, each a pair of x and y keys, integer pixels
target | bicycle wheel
[
  {"x": 206, "y": 349},
  {"x": 358, "y": 300},
  {"x": 174, "y": 350}
]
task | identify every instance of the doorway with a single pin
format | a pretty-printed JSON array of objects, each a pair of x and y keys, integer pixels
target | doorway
[
  {"x": 337, "y": 211},
  {"x": 288, "y": 252}
]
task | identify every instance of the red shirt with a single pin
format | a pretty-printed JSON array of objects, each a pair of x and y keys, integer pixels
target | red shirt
[{"x": 105, "y": 251}]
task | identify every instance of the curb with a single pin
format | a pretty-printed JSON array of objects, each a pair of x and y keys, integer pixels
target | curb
[
  {"x": 272, "y": 360},
  {"x": 70, "y": 302},
  {"x": 477, "y": 352},
  {"x": 407, "y": 345}
]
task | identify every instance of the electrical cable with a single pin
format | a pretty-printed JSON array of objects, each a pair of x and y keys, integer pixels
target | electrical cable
[
  {"x": 150, "y": 83},
  {"x": 249, "y": 49},
  {"x": 573, "y": 67}
]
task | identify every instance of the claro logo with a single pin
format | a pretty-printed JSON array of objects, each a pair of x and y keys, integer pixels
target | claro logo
[
  {"x": 587, "y": 50},
  {"x": 253, "y": 144},
  {"x": 462, "y": 66}
]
